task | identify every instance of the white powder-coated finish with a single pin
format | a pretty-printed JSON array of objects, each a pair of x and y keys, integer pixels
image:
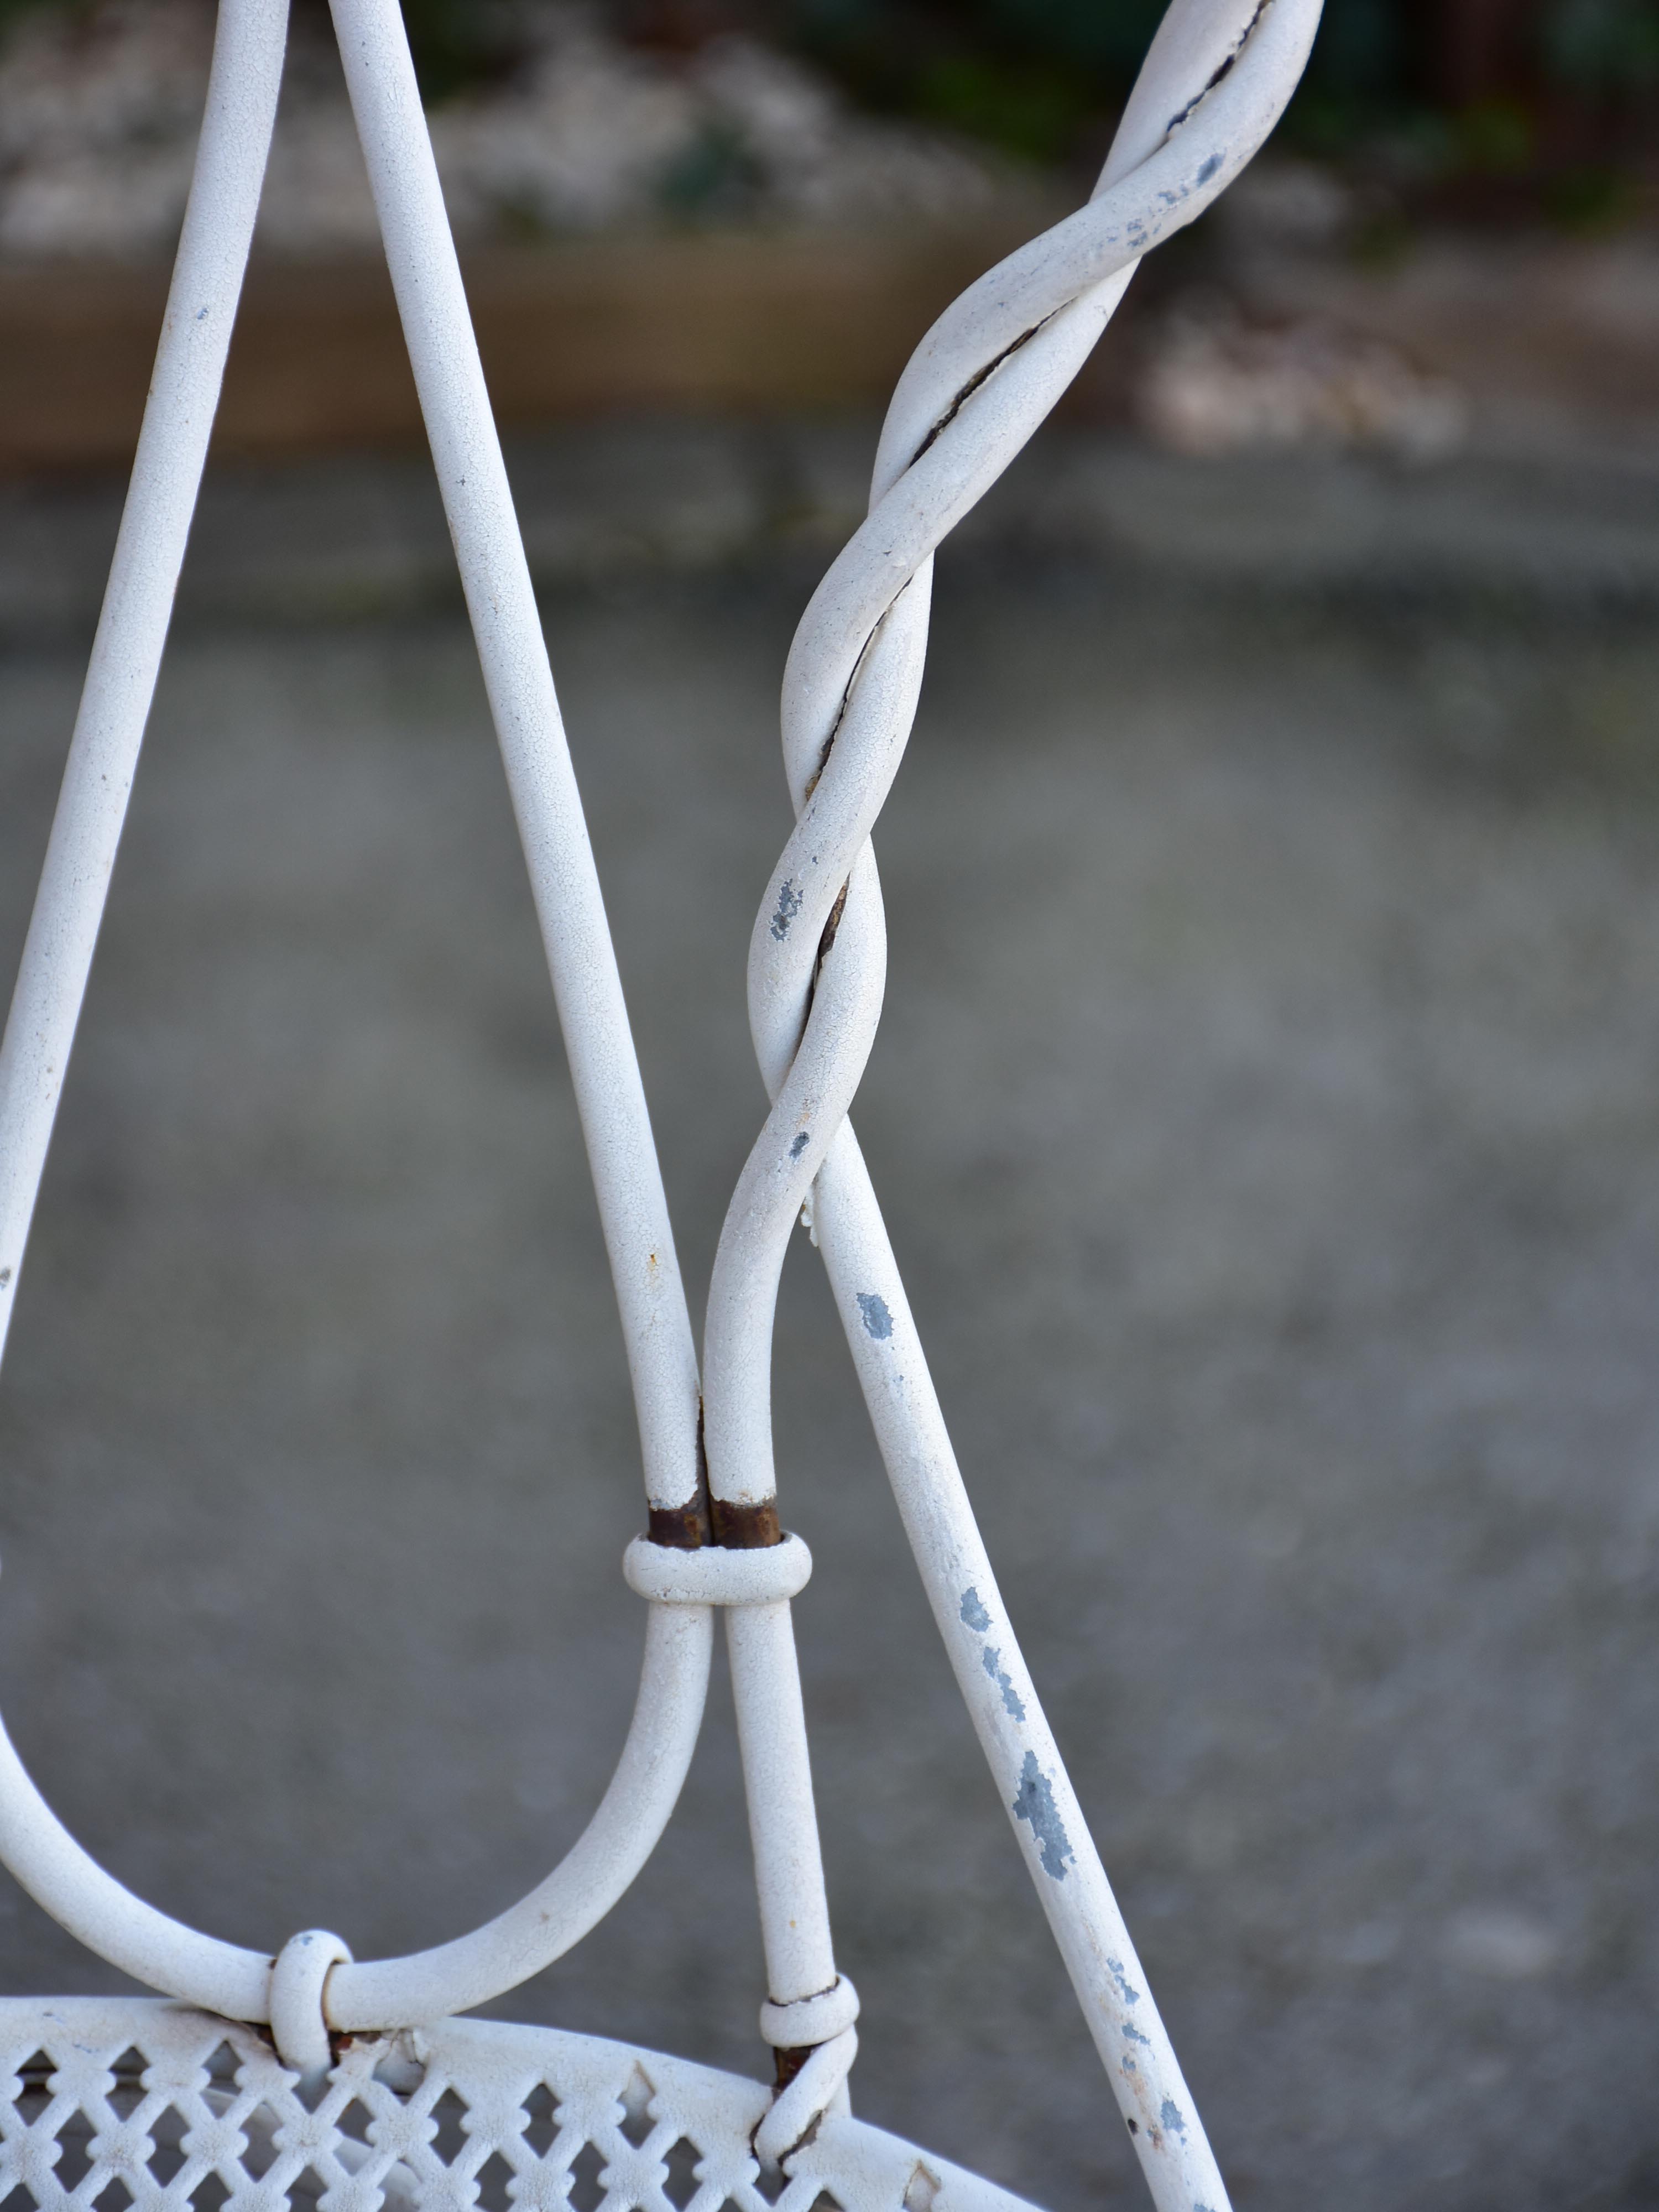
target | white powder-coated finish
[
  {"x": 1214, "y": 82},
  {"x": 167, "y": 2099}
]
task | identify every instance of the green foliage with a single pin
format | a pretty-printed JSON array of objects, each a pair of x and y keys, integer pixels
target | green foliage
[
  {"x": 713, "y": 180},
  {"x": 11, "y": 10},
  {"x": 1041, "y": 77},
  {"x": 456, "y": 43},
  {"x": 1590, "y": 196},
  {"x": 1603, "y": 47},
  {"x": 1028, "y": 108},
  {"x": 1495, "y": 139}
]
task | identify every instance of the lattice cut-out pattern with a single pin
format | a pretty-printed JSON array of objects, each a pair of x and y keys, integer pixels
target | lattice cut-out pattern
[{"x": 136, "y": 2105}]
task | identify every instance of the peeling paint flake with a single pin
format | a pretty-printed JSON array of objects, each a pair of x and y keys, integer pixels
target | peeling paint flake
[
  {"x": 1010, "y": 1701},
  {"x": 922, "y": 2191},
  {"x": 878, "y": 1321},
  {"x": 1173, "y": 2117},
  {"x": 790, "y": 902},
  {"x": 1035, "y": 1806},
  {"x": 1114, "y": 1968},
  {"x": 973, "y": 1613}
]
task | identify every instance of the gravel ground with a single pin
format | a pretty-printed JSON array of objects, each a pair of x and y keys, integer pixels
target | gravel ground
[{"x": 1266, "y": 1112}]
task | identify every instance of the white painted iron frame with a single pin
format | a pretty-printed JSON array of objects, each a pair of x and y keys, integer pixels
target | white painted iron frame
[{"x": 1214, "y": 82}]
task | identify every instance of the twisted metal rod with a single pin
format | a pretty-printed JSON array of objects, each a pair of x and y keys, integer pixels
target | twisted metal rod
[{"x": 1215, "y": 81}]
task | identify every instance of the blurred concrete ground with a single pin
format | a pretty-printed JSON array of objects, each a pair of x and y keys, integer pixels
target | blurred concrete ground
[{"x": 1267, "y": 1112}]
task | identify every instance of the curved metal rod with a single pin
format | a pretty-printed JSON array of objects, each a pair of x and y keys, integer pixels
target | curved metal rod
[
  {"x": 224, "y": 196},
  {"x": 390, "y": 1993}
]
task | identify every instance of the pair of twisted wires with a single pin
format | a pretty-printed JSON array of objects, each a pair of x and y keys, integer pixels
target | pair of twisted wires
[{"x": 1214, "y": 83}]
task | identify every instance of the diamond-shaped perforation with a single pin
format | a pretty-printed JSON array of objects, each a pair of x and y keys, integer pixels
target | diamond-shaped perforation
[
  {"x": 541, "y": 2126},
  {"x": 74, "y": 2151},
  {"x": 168, "y": 2159},
  {"x": 449, "y": 2126},
  {"x": 586, "y": 2191},
  {"x": 355, "y": 2121},
  {"x": 259, "y": 2152},
  {"x": 33, "y": 2073},
  {"x": 495, "y": 2179},
  {"x": 311, "y": 2095},
  {"x": 682, "y": 2183},
  {"x": 635, "y": 2123},
  {"x": 218, "y": 2067},
  {"x": 126, "y": 2093}
]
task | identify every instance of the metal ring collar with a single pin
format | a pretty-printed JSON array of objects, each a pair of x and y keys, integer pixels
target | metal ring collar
[
  {"x": 299, "y": 1999},
  {"x": 716, "y": 1575}
]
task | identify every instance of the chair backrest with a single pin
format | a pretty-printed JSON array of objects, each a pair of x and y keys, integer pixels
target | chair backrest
[{"x": 341, "y": 2099}]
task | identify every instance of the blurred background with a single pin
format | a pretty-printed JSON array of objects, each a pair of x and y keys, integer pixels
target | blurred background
[{"x": 1267, "y": 1109}]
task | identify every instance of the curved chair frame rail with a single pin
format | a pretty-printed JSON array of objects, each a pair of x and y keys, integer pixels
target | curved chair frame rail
[{"x": 1214, "y": 82}]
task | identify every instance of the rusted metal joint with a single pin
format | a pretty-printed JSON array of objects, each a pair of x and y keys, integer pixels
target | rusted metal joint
[
  {"x": 804, "y": 2023},
  {"x": 680, "y": 1528},
  {"x": 785, "y": 2064},
  {"x": 816, "y": 2086},
  {"x": 745, "y": 1528}
]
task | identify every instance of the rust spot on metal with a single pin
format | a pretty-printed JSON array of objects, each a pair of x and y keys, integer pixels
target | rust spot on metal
[
  {"x": 745, "y": 1528},
  {"x": 686, "y": 1528},
  {"x": 832, "y": 925},
  {"x": 785, "y": 2064},
  {"x": 681, "y": 1528}
]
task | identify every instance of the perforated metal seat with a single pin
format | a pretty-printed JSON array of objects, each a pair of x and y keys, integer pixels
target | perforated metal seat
[
  {"x": 314, "y": 2076},
  {"x": 140, "y": 2102}
]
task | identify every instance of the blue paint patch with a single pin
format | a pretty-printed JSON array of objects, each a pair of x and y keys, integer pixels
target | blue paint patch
[
  {"x": 1035, "y": 1806},
  {"x": 1134, "y": 2035},
  {"x": 790, "y": 902},
  {"x": 973, "y": 1613},
  {"x": 1173, "y": 2117},
  {"x": 1129, "y": 2066},
  {"x": 878, "y": 1321},
  {"x": 1209, "y": 168},
  {"x": 1115, "y": 1967},
  {"x": 1010, "y": 1702},
  {"x": 800, "y": 1144}
]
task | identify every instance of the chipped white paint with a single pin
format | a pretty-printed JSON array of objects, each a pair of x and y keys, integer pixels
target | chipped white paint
[{"x": 1214, "y": 82}]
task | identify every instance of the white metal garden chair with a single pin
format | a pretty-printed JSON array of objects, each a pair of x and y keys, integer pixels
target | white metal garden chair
[{"x": 311, "y": 2076}]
